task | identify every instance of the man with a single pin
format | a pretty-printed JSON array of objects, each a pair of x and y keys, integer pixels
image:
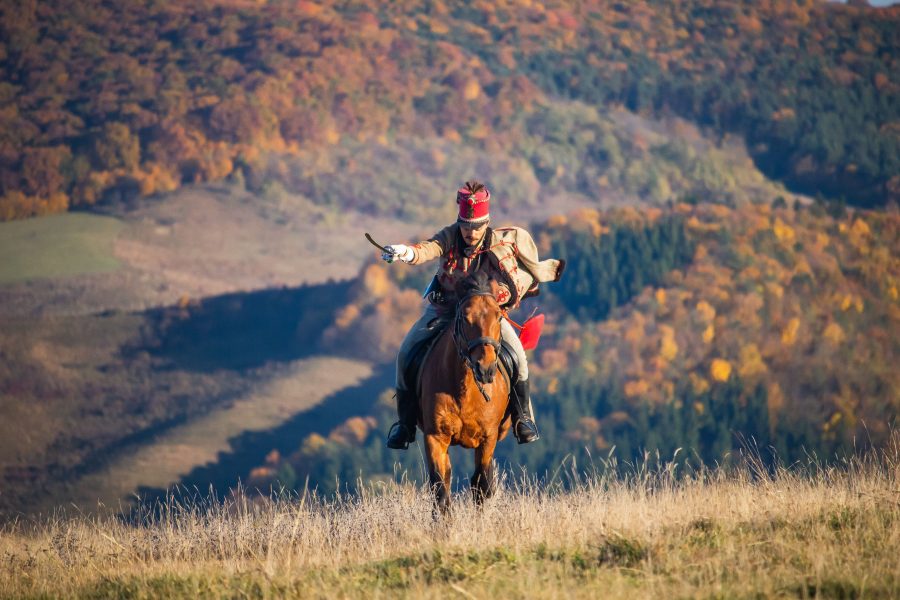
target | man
[{"x": 510, "y": 257}]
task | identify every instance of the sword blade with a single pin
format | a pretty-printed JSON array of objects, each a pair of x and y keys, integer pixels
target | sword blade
[{"x": 377, "y": 245}]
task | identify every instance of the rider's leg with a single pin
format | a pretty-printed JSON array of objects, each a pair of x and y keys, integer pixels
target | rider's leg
[
  {"x": 404, "y": 430},
  {"x": 524, "y": 427}
]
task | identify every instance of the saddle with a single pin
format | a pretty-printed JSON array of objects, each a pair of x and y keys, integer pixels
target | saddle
[{"x": 509, "y": 365}]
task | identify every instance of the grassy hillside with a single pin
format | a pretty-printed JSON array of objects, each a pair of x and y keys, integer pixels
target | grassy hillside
[
  {"x": 80, "y": 392},
  {"x": 105, "y": 102},
  {"x": 63, "y": 245},
  {"x": 201, "y": 241},
  {"x": 221, "y": 438},
  {"x": 658, "y": 531}
]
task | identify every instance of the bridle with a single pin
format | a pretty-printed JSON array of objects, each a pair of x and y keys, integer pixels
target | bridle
[{"x": 464, "y": 346}]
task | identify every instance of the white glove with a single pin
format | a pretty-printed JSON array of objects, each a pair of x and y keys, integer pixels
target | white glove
[{"x": 398, "y": 252}]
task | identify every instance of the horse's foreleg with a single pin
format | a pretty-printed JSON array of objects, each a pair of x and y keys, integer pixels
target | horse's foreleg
[
  {"x": 439, "y": 470},
  {"x": 483, "y": 477}
]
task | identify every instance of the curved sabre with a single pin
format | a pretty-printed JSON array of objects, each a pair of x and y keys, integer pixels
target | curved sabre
[{"x": 377, "y": 245}]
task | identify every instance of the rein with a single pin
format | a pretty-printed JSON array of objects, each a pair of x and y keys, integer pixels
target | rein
[
  {"x": 459, "y": 339},
  {"x": 505, "y": 314}
]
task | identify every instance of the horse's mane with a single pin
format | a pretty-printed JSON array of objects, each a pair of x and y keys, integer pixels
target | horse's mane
[{"x": 478, "y": 283}]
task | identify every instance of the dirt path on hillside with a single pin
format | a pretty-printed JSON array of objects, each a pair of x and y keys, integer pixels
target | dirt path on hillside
[{"x": 163, "y": 462}]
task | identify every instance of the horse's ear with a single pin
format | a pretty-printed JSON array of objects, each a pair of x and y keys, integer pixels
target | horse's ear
[{"x": 495, "y": 288}]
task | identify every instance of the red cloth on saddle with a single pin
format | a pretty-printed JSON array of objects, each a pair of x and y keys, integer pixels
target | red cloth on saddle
[{"x": 531, "y": 332}]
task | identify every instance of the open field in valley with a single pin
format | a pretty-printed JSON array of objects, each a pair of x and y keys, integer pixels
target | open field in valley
[{"x": 163, "y": 461}]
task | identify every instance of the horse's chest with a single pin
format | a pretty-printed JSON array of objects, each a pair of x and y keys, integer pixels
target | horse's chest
[
  {"x": 468, "y": 424},
  {"x": 472, "y": 431}
]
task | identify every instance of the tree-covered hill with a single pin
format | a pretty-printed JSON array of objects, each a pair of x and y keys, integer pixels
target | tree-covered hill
[
  {"x": 700, "y": 327},
  {"x": 106, "y": 100}
]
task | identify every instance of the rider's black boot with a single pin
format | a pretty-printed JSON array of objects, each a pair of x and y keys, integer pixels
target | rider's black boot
[
  {"x": 524, "y": 427},
  {"x": 403, "y": 432}
]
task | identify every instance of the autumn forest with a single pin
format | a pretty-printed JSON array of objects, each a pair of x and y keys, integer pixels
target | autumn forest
[{"x": 101, "y": 101}]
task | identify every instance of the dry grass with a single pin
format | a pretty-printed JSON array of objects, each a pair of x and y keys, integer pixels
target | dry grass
[{"x": 802, "y": 531}]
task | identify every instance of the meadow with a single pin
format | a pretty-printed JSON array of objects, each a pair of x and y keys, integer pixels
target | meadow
[
  {"x": 56, "y": 246},
  {"x": 648, "y": 529}
]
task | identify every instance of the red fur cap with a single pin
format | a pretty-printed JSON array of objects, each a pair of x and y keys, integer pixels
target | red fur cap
[{"x": 474, "y": 207}]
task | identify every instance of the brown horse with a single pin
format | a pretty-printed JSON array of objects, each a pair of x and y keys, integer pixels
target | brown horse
[{"x": 463, "y": 398}]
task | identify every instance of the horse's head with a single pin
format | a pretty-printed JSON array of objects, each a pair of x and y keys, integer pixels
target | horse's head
[{"x": 477, "y": 327}]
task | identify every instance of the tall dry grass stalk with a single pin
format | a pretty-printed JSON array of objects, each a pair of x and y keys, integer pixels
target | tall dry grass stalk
[{"x": 660, "y": 530}]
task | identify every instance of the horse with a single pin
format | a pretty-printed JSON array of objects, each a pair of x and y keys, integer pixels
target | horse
[{"x": 463, "y": 399}]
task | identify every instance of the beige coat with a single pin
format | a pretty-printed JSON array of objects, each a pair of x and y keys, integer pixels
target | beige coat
[{"x": 512, "y": 259}]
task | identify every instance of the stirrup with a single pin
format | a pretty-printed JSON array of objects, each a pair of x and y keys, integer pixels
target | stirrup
[
  {"x": 399, "y": 436},
  {"x": 526, "y": 431}
]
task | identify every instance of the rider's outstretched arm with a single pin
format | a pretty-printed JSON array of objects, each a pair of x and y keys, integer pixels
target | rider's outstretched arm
[{"x": 434, "y": 247}]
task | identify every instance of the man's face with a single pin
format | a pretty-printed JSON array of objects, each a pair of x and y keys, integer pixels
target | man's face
[{"x": 472, "y": 233}]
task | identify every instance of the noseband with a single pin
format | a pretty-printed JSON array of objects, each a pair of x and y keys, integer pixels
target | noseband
[{"x": 464, "y": 346}]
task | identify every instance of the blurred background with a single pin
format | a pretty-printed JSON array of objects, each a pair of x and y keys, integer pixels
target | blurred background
[{"x": 187, "y": 299}]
